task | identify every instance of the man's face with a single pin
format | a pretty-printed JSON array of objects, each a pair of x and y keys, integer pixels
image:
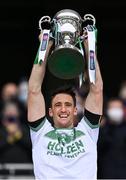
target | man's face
[{"x": 63, "y": 111}]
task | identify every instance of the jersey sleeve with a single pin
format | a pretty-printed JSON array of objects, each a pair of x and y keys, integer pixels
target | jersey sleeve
[
  {"x": 38, "y": 129},
  {"x": 36, "y": 125},
  {"x": 93, "y": 120},
  {"x": 90, "y": 124}
]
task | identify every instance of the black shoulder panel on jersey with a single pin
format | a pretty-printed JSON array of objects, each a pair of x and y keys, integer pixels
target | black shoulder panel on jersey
[
  {"x": 92, "y": 118},
  {"x": 36, "y": 123}
]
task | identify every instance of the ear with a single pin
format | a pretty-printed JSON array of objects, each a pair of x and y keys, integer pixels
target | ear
[
  {"x": 50, "y": 112},
  {"x": 75, "y": 111}
]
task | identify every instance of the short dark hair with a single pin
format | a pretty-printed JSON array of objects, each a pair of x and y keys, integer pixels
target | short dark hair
[{"x": 66, "y": 90}]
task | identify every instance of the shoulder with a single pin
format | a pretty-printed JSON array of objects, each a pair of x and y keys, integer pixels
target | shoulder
[
  {"x": 38, "y": 124},
  {"x": 92, "y": 119}
]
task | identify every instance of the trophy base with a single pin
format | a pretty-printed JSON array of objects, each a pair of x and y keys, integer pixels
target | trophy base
[{"x": 66, "y": 63}]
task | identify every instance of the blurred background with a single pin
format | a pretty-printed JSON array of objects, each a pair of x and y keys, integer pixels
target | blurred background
[{"x": 18, "y": 47}]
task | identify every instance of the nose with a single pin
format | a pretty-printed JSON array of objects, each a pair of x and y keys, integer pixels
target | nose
[{"x": 63, "y": 108}]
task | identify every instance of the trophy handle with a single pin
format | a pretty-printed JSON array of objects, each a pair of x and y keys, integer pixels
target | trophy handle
[
  {"x": 89, "y": 19},
  {"x": 90, "y": 34},
  {"x": 44, "y": 26},
  {"x": 44, "y": 23}
]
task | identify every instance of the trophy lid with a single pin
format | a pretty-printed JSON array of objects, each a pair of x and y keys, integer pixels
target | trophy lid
[{"x": 67, "y": 13}]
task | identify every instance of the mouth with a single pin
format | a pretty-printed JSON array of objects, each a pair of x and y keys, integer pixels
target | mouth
[{"x": 63, "y": 116}]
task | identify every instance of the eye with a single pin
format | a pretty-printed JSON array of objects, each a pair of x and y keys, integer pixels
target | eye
[
  {"x": 68, "y": 104},
  {"x": 57, "y": 104}
]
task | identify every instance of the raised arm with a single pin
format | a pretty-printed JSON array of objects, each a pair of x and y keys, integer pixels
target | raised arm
[
  {"x": 36, "y": 102},
  {"x": 94, "y": 100}
]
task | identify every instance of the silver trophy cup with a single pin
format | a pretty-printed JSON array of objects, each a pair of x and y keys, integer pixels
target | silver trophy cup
[
  {"x": 68, "y": 30},
  {"x": 67, "y": 59}
]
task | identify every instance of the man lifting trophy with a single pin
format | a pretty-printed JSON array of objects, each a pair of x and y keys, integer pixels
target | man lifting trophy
[
  {"x": 63, "y": 146},
  {"x": 68, "y": 30}
]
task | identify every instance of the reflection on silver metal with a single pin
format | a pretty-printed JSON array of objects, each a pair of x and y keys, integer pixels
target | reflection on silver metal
[{"x": 66, "y": 60}]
